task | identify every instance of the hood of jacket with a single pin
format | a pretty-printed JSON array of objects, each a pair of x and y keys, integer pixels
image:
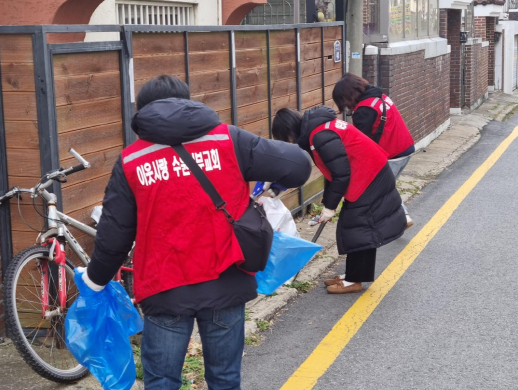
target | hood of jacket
[
  {"x": 313, "y": 118},
  {"x": 174, "y": 121},
  {"x": 371, "y": 92}
]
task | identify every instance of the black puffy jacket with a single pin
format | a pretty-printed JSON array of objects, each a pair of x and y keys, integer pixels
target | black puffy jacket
[
  {"x": 376, "y": 218},
  {"x": 170, "y": 122}
]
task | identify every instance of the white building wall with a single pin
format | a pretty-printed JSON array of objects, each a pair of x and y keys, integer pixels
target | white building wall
[
  {"x": 207, "y": 13},
  {"x": 510, "y": 29},
  {"x": 104, "y": 14},
  {"x": 498, "y": 60}
]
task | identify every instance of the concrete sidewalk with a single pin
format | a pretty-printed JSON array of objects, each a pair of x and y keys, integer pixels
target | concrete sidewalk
[{"x": 423, "y": 168}]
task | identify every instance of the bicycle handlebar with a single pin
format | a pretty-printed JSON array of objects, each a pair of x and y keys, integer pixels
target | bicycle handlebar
[
  {"x": 50, "y": 177},
  {"x": 83, "y": 162}
]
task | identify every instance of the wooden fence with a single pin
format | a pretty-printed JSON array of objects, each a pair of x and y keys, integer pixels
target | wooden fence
[{"x": 81, "y": 95}]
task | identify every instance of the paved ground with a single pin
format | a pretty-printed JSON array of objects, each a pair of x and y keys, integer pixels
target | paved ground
[
  {"x": 310, "y": 325},
  {"x": 448, "y": 323}
]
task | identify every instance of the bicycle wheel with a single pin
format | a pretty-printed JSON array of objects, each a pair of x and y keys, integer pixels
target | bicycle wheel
[{"x": 40, "y": 340}]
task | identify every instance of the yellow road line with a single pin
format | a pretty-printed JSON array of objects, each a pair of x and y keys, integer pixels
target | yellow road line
[{"x": 307, "y": 375}]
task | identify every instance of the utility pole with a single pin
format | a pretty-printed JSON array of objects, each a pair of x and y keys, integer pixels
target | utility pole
[{"x": 355, "y": 35}]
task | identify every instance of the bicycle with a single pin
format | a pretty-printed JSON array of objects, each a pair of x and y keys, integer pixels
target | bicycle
[{"x": 39, "y": 285}]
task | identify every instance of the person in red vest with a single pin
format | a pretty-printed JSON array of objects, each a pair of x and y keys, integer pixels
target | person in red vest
[
  {"x": 368, "y": 104},
  {"x": 356, "y": 169},
  {"x": 186, "y": 256}
]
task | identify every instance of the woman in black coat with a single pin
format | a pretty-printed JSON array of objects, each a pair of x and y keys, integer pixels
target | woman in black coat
[
  {"x": 355, "y": 168},
  {"x": 354, "y": 94}
]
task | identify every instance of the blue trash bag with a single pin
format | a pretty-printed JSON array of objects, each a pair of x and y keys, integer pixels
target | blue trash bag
[
  {"x": 97, "y": 329},
  {"x": 287, "y": 257}
]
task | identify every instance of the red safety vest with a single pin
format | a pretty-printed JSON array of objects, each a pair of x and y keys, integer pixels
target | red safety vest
[
  {"x": 181, "y": 238},
  {"x": 366, "y": 158},
  {"x": 395, "y": 138}
]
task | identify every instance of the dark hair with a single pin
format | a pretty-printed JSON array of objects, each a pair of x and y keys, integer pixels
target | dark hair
[
  {"x": 162, "y": 87},
  {"x": 286, "y": 125},
  {"x": 347, "y": 91}
]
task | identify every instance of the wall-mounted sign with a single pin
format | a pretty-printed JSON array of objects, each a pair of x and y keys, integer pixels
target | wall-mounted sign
[{"x": 338, "y": 51}]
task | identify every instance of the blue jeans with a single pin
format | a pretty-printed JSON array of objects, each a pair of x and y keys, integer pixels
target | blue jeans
[
  {"x": 166, "y": 338},
  {"x": 397, "y": 165}
]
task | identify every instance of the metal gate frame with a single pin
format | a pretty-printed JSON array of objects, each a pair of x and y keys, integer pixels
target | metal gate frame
[{"x": 43, "y": 53}]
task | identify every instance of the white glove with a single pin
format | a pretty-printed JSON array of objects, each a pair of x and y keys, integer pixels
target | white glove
[
  {"x": 88, "y": 281},
  {"x": 326, "y": 215},
  {"x": 273, "y": 194}
]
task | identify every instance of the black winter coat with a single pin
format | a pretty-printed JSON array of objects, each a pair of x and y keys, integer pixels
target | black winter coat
[
  {"x": 376, "y": 218},
  {"x": 171, "y": 122}
]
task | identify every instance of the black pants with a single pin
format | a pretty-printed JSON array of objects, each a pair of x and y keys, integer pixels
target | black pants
[{"x": 359, "y": 266}]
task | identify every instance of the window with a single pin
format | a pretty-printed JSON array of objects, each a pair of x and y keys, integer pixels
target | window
[
  {"x": 158, "y": 13},
  {"x": 396, "y": 20},
  {"x": 423, "y": 17},
  {"x": 278, "y": 12},
  {"x": 412, "y": 19},
  {"x": 434, "y": 18},
  {"x": 370, "y": 17}
]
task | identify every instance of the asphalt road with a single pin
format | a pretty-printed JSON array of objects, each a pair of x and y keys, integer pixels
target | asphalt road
[{"x": 450, "y": 322}]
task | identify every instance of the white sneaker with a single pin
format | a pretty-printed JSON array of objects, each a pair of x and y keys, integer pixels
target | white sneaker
[{"x": 409, "y": 221}]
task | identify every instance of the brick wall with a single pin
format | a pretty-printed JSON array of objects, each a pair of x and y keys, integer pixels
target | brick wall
[
  {"x": 370, "y": 69},
  {"x": 420, "y": 88},
  {"x": 365, "y": 11},
  {"x": 453, "y": 36},
  {"x": 443, "y": 23},
  {"x": 480, "y": 27},
  {"x": 490, "y": 37},
  {"x": 476, "y": 73}
]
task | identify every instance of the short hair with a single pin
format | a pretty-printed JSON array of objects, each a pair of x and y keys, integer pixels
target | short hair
[
  {"x": 347, "y": 91},
  {"x": 162, "y": 87},
  {"x": 286, "y": 125}
]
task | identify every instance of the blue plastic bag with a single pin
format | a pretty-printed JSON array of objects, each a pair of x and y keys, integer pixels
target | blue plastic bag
[
  {"x": 287, "y": 257},
  {"x": 97, "y": 329}
]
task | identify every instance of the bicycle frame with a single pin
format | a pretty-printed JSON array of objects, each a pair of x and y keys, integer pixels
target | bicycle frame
[
  {"x": 57, "y": 236},
  {"x": 57, "y": 229}
]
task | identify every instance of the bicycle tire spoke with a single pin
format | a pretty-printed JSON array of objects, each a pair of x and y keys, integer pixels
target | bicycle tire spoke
[
  {"x": 28, "y": 301},
  {"x": 43, "y": 338}
]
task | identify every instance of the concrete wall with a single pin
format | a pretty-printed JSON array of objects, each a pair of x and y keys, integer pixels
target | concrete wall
[
  {"x": 509, "y": 30},
  {"x": 499, "y": 56}
]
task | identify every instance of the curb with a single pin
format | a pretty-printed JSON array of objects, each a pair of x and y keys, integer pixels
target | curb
[{"x": 265, "y": 307}]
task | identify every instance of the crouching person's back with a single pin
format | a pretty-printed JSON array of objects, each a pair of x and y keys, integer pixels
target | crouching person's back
[{"x": 186, "y": 257}]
